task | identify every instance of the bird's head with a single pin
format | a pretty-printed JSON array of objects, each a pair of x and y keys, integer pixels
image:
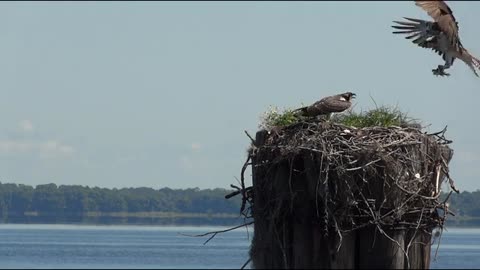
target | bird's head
[{"x": 348, "y": 96}]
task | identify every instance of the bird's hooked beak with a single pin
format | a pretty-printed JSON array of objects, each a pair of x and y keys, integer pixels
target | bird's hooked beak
[{"x": 353, "y": 95}]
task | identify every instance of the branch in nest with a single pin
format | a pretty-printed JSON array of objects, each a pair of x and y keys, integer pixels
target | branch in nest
[
  {"x": 246, "y": 263},
  {"x": 439, "y": 132},
  {"x": 235, "y": 193},
  {"x": 251, "y": 139},
  {"x": 214, "y": 233},
  {"x": 244, "y": 190}
]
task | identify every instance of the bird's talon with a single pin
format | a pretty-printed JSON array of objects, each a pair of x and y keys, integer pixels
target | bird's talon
[{"x": 439, "y": 72}]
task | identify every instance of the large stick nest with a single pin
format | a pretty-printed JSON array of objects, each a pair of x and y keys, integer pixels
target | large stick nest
[{"x": 383, "y": 176}]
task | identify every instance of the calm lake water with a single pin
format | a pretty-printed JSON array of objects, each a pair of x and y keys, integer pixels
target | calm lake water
[{"x": 72, "y": 246}]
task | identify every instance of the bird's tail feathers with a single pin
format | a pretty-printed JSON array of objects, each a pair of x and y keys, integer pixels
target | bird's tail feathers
[{"x": 474, "y": 62}]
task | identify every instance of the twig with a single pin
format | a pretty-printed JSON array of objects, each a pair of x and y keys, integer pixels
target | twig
[
  {"x": 251, "y": 139},
  {"x": 413, "y": 237},
  {"x": 242, "y": 179},
  {"x": 364, "y": 166},
  {"x": 439, "y": 132},
  {"x": 214, "y": 233},
  {"x": 246, "y": 263},
  {"x": 437, "y": 178},
  {"x": 396, "y": 242},
  {"x": 438, "y": 245}
]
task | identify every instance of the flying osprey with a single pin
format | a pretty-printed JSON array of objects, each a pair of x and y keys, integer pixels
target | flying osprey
[
  {"x": 327, "y": 105},
  {"x": 441, "y": 35}
]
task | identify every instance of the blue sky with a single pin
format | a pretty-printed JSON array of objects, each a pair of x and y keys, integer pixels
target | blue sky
[{"x": 130, "y": 94}]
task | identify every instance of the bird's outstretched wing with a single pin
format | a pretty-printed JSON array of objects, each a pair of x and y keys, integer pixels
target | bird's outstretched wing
[
  {"x": 423, "y": 31},
  {"x": 443, "y": 16}
]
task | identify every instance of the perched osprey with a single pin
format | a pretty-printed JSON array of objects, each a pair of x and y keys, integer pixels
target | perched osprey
[
  {"x": 327, "y": 105},
  {"x": 441, "y": 35}
]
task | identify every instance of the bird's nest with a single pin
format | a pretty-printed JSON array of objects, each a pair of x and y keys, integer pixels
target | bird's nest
[{"x": 350, "y": 177}]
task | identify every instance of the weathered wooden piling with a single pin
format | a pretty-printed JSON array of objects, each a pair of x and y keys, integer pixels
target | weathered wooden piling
[{"x": 329, "y": 196}]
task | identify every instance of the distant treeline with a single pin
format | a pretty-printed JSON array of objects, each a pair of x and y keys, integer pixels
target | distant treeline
[
  {"x": 50, "y": 200},
  {"x": 73, "y": 203},
  {"x": 465, "y": 204}
]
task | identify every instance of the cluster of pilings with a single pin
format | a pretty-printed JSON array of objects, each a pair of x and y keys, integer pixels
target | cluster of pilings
[{"x": 306, "y": 216}]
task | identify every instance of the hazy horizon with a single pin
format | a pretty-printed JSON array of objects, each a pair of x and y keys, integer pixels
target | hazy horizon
[{"x": 158, "y": 94}]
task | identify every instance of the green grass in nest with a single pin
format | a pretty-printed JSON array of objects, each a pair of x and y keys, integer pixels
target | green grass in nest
[
  {"x": 275, "y": 117},
  {"x": 379, "y": 117},
  {"x": 383, "y": 116}
]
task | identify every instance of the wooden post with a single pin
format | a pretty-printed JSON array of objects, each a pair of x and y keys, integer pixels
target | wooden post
[{"x": 291, "y": 228}]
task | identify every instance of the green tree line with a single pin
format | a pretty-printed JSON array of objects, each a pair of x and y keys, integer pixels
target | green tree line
[
  {"x": 465, "y": 204},
  {"x": 17, "y": 200},
  {"x": 76, "y": 200}
]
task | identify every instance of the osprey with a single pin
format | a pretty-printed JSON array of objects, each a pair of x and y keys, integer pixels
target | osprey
[
  {"x": 440, "y": 35},
  {"x": 327, "y": 105}
]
